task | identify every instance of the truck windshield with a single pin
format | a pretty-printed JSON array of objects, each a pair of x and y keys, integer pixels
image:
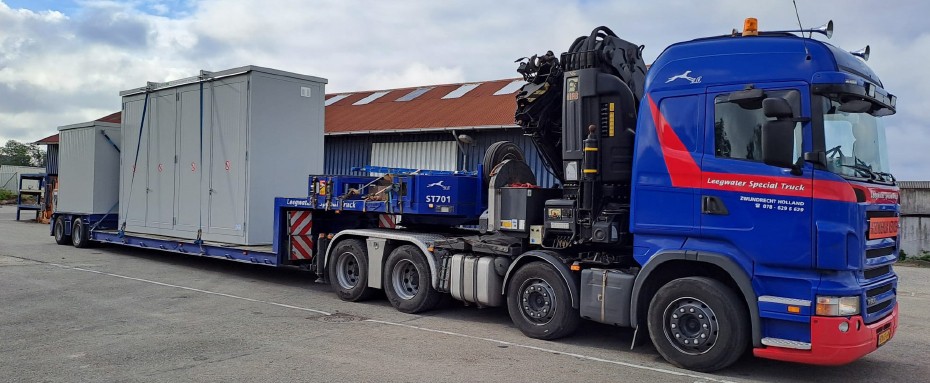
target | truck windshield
[{"x": 855, "y": 143}]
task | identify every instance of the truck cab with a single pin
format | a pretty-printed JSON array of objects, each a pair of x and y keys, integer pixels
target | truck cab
[{"x": 763, "y": 157}]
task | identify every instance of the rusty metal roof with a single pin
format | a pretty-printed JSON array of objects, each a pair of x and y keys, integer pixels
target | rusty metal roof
[{"x": 478, "y": 108}]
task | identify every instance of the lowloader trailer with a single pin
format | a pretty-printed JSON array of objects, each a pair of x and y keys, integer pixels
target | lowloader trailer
[{"x": 735, "y": 197}]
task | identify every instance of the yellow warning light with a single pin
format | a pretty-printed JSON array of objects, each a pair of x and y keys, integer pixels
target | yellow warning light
[
  {"x": 575, "y": 267},
  {"x": 430, "y": 249},
  {"x": 794, "y": 309},
  {"x": 751, "y": 27}
]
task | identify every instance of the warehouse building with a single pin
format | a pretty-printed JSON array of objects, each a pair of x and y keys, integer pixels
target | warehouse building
[
  {"x": 915, "y": 217},
  {"x": 420, "y": 127}
]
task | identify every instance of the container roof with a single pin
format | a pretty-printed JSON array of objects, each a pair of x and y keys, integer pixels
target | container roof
[
  {"x": 471, "y": 105},
  {"x": 487, "y": 104},
  {"x": 112, "y": 118}
]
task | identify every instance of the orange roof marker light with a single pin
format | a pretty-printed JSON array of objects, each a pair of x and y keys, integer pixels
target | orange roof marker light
[{"x": 751, "y": 27}]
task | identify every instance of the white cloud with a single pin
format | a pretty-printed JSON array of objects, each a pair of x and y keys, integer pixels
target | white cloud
[{"x": 66, "y": 67}]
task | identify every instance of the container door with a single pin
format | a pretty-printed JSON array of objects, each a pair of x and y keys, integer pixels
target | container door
[
  {"x": 227, "y": 158},
  {"x": 134, "y": 175},
  {"x": 190, "y": 208},
  {"x": 162, "y": 136}
]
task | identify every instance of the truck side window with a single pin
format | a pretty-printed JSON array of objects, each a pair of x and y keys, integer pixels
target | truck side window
[{"x": 738, "y": 127}]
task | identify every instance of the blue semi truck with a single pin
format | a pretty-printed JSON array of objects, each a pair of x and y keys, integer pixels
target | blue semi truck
[{"x": 736, "y": 196}]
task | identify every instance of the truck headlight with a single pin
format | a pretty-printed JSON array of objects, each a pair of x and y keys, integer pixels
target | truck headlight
[{"x": 837, "y": 306}]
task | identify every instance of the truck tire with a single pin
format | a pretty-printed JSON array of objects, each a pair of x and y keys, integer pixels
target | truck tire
[
  {"x": 80, "y": 234},
  {"x": 59, "y": 230},
  {"x": 348, "y": 271},
  {"x": 407, "y": 281},
  {"x": 497, "y": 153},
  {"x": 539, "y": 302},
  {"x": 699, "y": 324}
]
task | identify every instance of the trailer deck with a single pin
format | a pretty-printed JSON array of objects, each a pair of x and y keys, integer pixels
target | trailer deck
[{"x": 262, "y": 254}]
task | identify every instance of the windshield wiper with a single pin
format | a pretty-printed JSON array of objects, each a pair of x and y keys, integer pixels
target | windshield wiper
[
  {"x": 889, "y": 175},
  {"x": 862, "y": 170}
]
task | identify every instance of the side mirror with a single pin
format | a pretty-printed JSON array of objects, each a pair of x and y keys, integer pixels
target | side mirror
[
  {"x": 777, "y": 107},
  {"x": 778, "y": 141}
]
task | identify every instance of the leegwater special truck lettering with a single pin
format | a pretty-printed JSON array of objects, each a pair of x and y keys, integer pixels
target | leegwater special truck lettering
[{"x": 736, "y": 196}]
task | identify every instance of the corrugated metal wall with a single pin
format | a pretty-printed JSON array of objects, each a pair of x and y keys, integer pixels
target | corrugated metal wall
[
  {"x": 51, "y": 162},
  {"x": 342, "y": 152},
  {"x": 432, "y": 155}
]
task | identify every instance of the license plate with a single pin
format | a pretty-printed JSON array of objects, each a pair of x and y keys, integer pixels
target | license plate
[
  {"x": 883, "y": 227},
  {"x": 884, "y": 336}
]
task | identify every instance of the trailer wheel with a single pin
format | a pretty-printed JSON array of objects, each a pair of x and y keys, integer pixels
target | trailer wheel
[
  {"x": 348, "y": 271},
  {"x": 539, "y": 303},
  {"x": 407, "y": 281},
  {"x": 60, "y": 237},
  {"x": 80, "y": 234},
  {"x": 699, "y": 324}
]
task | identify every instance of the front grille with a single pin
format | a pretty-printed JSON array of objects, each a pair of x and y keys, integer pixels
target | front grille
[
  {"x": 880, "y": 213},
  {"x": 878, "y": 291},
  {"x": 880, "y": 252},
  {"x": 878, "y": 300},
  {"x": 877, "y": 272},
  {"x": 879, "y": 306}
]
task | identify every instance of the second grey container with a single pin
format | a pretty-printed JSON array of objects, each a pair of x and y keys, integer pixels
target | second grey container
[{"x": 215, "y": 150}]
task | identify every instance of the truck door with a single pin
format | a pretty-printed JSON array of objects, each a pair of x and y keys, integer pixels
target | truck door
[{"x": 760, "y": 213}]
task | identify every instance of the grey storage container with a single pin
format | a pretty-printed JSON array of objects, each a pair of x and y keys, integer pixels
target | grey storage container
[
  {"x": 216, "y": 149},
  {"x": 88, "y": 175}
]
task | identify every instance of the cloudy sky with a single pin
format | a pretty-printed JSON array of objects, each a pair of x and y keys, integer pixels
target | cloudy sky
[{"x": 64, "y": 61}]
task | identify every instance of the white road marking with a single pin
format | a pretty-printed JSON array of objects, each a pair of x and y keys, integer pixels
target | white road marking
[
  {"x": 681, "y": 373},
  {"x": 192, "y": 289},
  {"x": 586, "y": 357}
]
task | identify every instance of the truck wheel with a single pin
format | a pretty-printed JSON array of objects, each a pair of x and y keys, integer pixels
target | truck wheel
[
  {"x": 539, "y": 303},
  {"x": 80, "y": 234},
  {"x": 348, "y": 271},
  {"x": 699, "y": 324},
  {"x": 407, "y": 281},
  {"x": 60, "y": 237}
]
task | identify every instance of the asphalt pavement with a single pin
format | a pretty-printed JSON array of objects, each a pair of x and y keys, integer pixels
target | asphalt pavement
[{"x": 110, "y": 314}]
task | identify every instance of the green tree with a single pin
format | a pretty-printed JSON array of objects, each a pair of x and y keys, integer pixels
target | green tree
[{"x": 20, "y": 154}]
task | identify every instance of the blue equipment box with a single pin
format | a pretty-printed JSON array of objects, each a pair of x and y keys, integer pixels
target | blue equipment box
[{"x": 408, "y": 192}]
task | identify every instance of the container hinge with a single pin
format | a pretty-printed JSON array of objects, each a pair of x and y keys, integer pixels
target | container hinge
[
  {"x": 246, "y": 155},
  {"x": 174, "y": 220},
  {"x": 175, "y": 158},
  {"x": 177, "y": 97}
]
